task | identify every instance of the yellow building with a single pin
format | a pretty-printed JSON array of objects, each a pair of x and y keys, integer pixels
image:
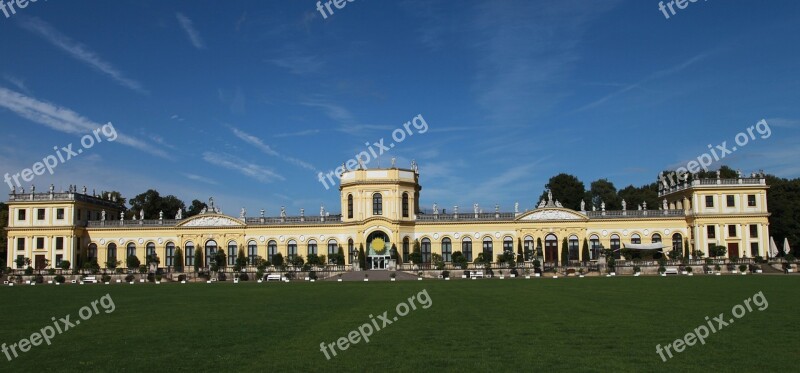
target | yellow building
[{"x": 384, "y": 204}]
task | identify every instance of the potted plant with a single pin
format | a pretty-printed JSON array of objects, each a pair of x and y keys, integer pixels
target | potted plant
[
  {"x": 689, "y": 270},
  {"x": 717, "y": 268},
  {"x": 129, "y": 278},
  {"x": 393, "y": 276},
  {"x": 527, "y": 273},
  {"x": 465, "y": 274},
  {"x": 743, "y": 268},
  {"x": 580, "y": 272},
  {"x": 555, "y": 272},
  {"x": 637, "y": 270},
  {"x": 446, "y": 275},
  {"x": 105, "y": 278},
  {"x": 662, "y": 270},
  {"x": 340, "y": 277},
  {"x": 514, "y": 273},
  {"x": 366, "y": 277},
  {"x": 420, "y": 276},
  {"x": 501, "y": 274}
]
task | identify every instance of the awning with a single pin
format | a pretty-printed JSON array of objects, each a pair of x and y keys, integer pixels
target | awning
[{"x": 651, "y": 246}]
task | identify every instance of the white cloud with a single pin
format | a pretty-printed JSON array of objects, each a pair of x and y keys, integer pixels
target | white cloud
[
  {"x": 63, "y": 119},
  {"x": 266, "y": 149},
  {"x": 188, "y": 26},
  {"x": 79, "y": 52},
  {"x": 297, "y": 134},
  {"x": 250, "y": 170}
]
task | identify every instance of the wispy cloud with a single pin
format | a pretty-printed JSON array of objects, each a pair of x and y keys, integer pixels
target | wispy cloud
[
  {"x": 783, "y": 122},
  {"x": 297, "y": 134},
  {"x": 188, "y": 26},
  {"x": 299, "y": 65},
  {"x": 656, "y": 75},
  {"x": 78, "y": 51},
  {"x": 17, "y": 82},
  {"x": 346, "y": 120},
  {"x": 235, "y": 100},
  {"x": 266, "y": 149},
  {"x": 200, "y": 178},
  {"x": 63, "y": 119},
  {"x": 248, "y": 169}
]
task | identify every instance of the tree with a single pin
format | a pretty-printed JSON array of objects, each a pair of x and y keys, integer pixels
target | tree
[
  {"x": 686, "y": 249},
  {"x": 393, "y": 252},
  {"x": 634, "y": 196},
  {"x": 314, "y": 260},
  {"x": 220, "y": 259},
  {"x": 718, "y": 251},
  {"x": 64, "y": 264},
  {"x": 604, "y": 191},
  {"x": 3, "y": 232},
  {"x": 340, "y": 256},
  {"x": 132, "y": 262},
  {"x": 112, "y": 263},
  {"x": 564, "y": 252},
  {"x": 178, "y": 261},
  {"x": 198, "y": 259},
  {"x": 195, "y": 208},
  {"x": 783, "y": 199},
  {"x": 585, "y": 251},
  {"x": 153, "y": 203},
  {"x": 362, "y": 257},
  {"x": 539, "y": 247},
  {"x": 567, "y": 189},
  {"x": 520, "y": 258},
  {"x": 459, "y": 260},
  {"x": 416, "y": 256},
  {"x": 277, "y": 260},
  {"x": 241, "y": 259}
]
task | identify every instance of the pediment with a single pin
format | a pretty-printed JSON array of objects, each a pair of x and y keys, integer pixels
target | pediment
[
  {"x": 212, "y": 220},
  {"x": 544, "y": 214}
]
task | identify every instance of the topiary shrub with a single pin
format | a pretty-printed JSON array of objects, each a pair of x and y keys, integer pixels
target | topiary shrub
[
  {"x": 60, "y": 279},
  {"x": 105, "y": 278},
  {"x": 312, "y": 275},
  {"x": 130, "y": 278},
  {"x": 39, "y": 279},
  {"x": 29, "y": 271},
  {"x": 445, "y": 274},
  {"x": 244, "y": 277},
  {"x": 466, "y": 273},
  {"x": 222, "y": 276},
  {"x": 742, "y": 268},
  {"x": 151, "y": 277},
  {"x": 181, "y": 277}
]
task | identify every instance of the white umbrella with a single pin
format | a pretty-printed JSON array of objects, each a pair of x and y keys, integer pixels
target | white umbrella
[
  {"x": 773, "y": 249},
  {"x": 786, "y": 248}
]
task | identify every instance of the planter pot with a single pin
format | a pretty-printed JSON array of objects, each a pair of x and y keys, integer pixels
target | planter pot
[
  {"x": 501, "y": 277},
  {"x": 581, "y": 276},
  {"x": 718, "y": 274},
  {"x": 106, "y": 282},
  {"x": 419, "y": 278},
  {"x": 537, "y": 275},
  {"x": 392, "y": 279},
  {"x": 759, "y": 271},
  {"x": 81, "y": 282},
  {"x": 131, "y": 282},
  {"x": 637, "y": 274},
  {"x": 555, "y": 276},
  {"x": 306, "y": 278},
  {"x": 141, "y": 280},
  {"x": 613, "y": 273},
  {"x": 513, "y": 276},
  {"x": 10, "y": 284},
  {"x": 743, "y": 273},
  {"x": 463, "y": 276},
  {"x": 690, "y": 274},
  {"x": 184, "y": 281},
  {"x": 158, "y": 282},
  {"x": 236, "y": 281},
  {"x": 118, "y": 281},
  {"x": 339, "y": 280},
  {"x": 208, "y": 281},
  {"x": 366, "y": 279},
  {"x": 474, "y": 278},
  {"x": 49, "y": 282},
  {"x": 684, "y": 273},
  {"x": 447, "y": 278},
  {"x": 527, "y": 277},
  {"x": 312, "y": 280}
]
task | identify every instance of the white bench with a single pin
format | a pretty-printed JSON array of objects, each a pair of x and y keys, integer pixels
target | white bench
[
  {"x": 274, "y": 277},
  {"x": 90, "y": 279},
  {"x": 671, "y": 271},
  {"x": 476, "y": 274}
]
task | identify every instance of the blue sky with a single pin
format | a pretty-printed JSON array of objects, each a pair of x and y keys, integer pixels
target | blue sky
[{"x": 247, "y": 100}]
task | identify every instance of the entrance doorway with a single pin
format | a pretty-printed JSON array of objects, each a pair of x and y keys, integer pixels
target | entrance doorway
[
  {"x": 733, "y": 250},
  {"x": 39, "y": 262},
  {"x": 551, "y": 248},
  {"x": 378, "y": 248}
]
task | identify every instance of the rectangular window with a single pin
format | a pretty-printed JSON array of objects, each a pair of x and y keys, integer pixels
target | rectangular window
[
  {"x": 59, "y": 243},
  {"x": 59, "y": 258},
  {"x": 751, "y": 200},
  {"x": 21, "y": 244},
  {"x": 754, "y": 230},
  {"x": 712, "y": 231},
  {"x": 709, "y": 201},
  {"x": 40, "y": 214},
  {"x": 731, "y": 200},
  {"x": 252, "y": 253},
  {"x": 40, "y": 243},
  {"x": 60, "y": 214},
  {"x": 232, "y": 255},
  {"x": 189, "y": 256},
  {"x": 21, "y": 214},
  {"x": 405, "y": 251},
  {"x": 20, "y": 258},
  {"x": 754, "y": 249},
  {"x": 711, "y": 249},
  {"x": 466, "y": 249},
  {"x": 731, "y": 231}
]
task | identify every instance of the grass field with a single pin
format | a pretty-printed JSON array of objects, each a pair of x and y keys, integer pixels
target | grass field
[{"x": 591, "y": 324}]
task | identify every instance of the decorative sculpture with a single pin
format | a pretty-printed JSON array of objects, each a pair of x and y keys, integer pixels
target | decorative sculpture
[
  {"x": 583, "y": 205},
  {"x": 516, "y": 207},
  {"x": 103, "y": 215},
  {"x": 624, "y": 205},
  {"x": 141, "y": 214},
  {"x": 283, "y": 211},
  {"x": 242, "y": 213},
  {"x": 664, "y": 205},
  {"x": 179, "y": 215}
]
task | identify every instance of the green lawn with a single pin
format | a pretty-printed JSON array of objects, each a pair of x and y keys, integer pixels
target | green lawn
[{"x": 591, "y": 324}]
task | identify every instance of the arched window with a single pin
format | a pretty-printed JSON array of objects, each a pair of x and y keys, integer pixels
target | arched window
[
  {"x": 151, "y": 250},
  {"x": 333, "y": 251},
  {"x": 573, "y": 247},
  {"x": 349, "y": 206},
  {"x": 425, "y": 249},
  {"x": 351, "y": 250},
  {"x": 405, "y": 250},
  {"x": 594, "y": 247},
  {"x": 272, "y": 250},
  {"x": 551, "y": 248},
  {"x": 292, "y": 250},
  {"x": 636, "y": 239},
  {"x": 312, "y": 247},
  {"x": 232, "y": 252},
  {"x": 466, "y": 248},
  {"x": 405, "y": 205},
  {"x": 487, "y": 250},
  {"x": 447, "y": 250},
  {"x": 170, "y": 254},
  {"x": 211, "y": 251},
  {"x": 189, "y": 254},
  {"x": 615, "y": 245},
  {"x": 252, "y": 252},
  {"x": 527, "y": 247},
  {"x": 377, "y": 204},
  {"x": 112, "y": 253},
  {"x": 656, "y": 238},
  {"x": 92, "y": 252},
  {"x": 130, "y": 250},
  {"x": 508, "y": 244},
  {"x": 677, "y": 243}
]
